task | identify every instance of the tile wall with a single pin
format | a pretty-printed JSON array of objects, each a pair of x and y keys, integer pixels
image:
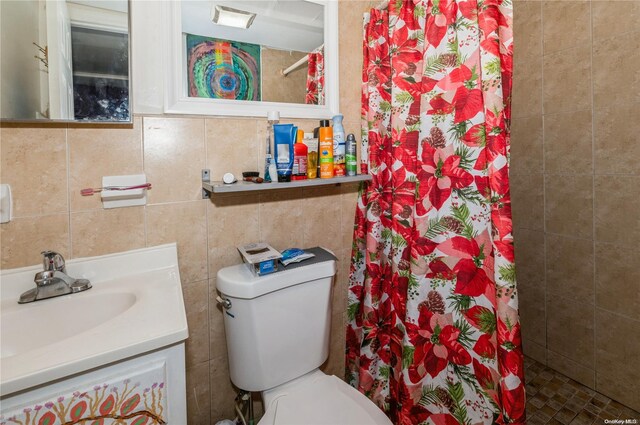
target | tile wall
[
  {"x": 47, "y": 166},
  {"x": 290, "y": 88},
  {"x": 575, "y": 177}
]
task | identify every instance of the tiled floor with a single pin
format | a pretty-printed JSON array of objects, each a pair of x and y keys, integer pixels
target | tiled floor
[{"x": 552, "y": 398}]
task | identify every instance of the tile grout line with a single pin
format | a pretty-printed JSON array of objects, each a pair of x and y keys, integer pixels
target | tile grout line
[
  {"x": 544, "y": 193},
  {"x": 68, "y": 160},
  {"x": 593, "y": 200}
]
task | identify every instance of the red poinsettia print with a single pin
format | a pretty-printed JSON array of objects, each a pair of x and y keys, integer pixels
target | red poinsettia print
[
  {"x": 436, "y": 341},
  {"x": 440, "y": 174},
  {"x": 433, "y": 335}
]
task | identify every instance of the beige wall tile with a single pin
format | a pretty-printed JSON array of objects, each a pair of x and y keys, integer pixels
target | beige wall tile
[
  {"x": 558, "y": 16},
  {"x": 100, "y": 232},
  {"x": 529, "y": 251},
  {"x": 98, "y": 152},
  {"x": 186, "y": 224},
  {"x": 570, "y": 330},
  {"x": 217, "y": 336},
  {"x": 567, "y": 147},
  {"x": 341, "y": 284},
  {"x": 174, "y": 156},
  {"x": 24, "y": 238},
  {"x": 222, "y": 391},
  {"x": 576, "y": 371},
  {"x": 612, "y": 18},
  {"x": 570, "y": 268},
  {"x": 616, "y": 79},
  {"x": 527, "y": 25},
  {"x": 321, "y": 209},
  {"x": 567, "y": 80},
  {"x": 526, "y": 145},
  {"x": 617, "y": 277},
  {"x": 349, "y": 205},
  {"x": 281, "y": 220},
  {"x": 34, "y": 162},
  {"x": 616, "y": 131},
  {"x": 569, "y": 205},
  {"x": 232, "y": 221},
  {"x": 531, "y": 300},
  {"x": 535, "y": 351},
  {"x": 617, "y": 354},
  {"x": 617, "y": 201},
  {"x": 615, "y": 341},
  {"x": 198, "y": 395},
  {"x": 527, "y": 88},
  {"x": 527, "y": 201},
  {"x": 196, "y": 302},
  {"x": 232, "y": 146}
]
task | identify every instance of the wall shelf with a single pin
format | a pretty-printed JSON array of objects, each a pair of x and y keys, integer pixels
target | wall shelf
[{"x": 242, "y": 186}]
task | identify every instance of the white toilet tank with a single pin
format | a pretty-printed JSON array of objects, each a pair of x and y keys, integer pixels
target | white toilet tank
[{"x": 277, "y": 327}]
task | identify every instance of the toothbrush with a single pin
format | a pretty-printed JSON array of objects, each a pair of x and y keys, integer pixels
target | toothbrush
[{"x": 91, "y": 191}]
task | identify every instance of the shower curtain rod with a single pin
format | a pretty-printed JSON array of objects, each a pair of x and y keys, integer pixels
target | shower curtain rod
[{"x": 298, "y": 64}]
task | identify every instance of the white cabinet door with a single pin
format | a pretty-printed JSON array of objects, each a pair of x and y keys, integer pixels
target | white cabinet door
[{"x": 149, "y": 389}]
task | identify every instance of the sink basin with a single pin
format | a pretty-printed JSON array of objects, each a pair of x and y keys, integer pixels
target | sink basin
[
  {"x": 135, "y": 306},
  {"x": 61, "y": 319}
]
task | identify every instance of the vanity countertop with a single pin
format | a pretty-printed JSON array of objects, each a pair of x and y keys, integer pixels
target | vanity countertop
[{"x": 135, "y": 306}]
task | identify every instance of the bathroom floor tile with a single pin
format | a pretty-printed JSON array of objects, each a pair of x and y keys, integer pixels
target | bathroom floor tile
[{"x": 552, "y": 398}]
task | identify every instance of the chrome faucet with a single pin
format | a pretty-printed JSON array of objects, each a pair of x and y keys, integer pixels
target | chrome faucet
[{"x": 53, "y": 281}]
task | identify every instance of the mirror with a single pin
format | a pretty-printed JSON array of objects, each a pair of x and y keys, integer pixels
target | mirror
[
  {"x": 65, "y": 60},
  {"x": 248, "y": 57},
  {"x": 269, "y": 61}
]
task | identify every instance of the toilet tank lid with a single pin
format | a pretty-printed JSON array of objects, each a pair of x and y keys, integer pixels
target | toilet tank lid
[{"x": 239, "y": 282}]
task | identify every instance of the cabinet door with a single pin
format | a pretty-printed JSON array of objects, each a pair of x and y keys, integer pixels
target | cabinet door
[{"x": 128, "y": 396}]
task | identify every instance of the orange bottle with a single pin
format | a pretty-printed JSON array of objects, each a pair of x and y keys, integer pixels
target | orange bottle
[
  {"x": 300, "y": 151},
  {"x": 325, "y": 150}
]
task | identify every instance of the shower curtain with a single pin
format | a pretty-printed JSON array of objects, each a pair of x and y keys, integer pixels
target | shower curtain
[
  {"x": 315, "y": 78},
  {"x": 433, "y": 334}
]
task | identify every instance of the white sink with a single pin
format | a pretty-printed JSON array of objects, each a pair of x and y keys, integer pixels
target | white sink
[{"x": 135, "y": 306}]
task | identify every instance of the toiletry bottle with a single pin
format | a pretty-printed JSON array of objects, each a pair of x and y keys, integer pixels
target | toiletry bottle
[
  {"x": 338, "y": 146},
  {"x": 312, "y": 155},
  {"x": 325, "y": 142},
  {"x": 300, "y": 152},
  {"x": 351, "y": 155},
  {"x": 273, "y": 117}
]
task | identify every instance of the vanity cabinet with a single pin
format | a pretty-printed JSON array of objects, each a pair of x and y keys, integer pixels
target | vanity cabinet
[{"x": 147, "y": 389}]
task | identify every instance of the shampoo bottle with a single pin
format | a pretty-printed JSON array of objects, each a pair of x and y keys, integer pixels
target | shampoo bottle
[
  {"x": 312, "y": 155},
  {"x": 300, "y": 152},
  {"x": 338, "y": 147},
  {"x": 325, "y": 136}
]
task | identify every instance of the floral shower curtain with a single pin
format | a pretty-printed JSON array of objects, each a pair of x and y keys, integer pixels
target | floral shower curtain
[
  {"x": 315, "y": 78},
  {"x": 434, "y": 334}
]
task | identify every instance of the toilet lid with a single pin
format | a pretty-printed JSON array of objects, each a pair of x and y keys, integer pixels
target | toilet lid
[{"x": 323, "y": 401}]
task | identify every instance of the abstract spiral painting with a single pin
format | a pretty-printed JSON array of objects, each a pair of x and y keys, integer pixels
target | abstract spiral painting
[{"x": 223, "y": 69}]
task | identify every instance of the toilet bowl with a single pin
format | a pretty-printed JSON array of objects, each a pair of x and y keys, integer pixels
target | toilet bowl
[
  {"x": 319, "y": 399},
  {"x": 277, "y": 330}
]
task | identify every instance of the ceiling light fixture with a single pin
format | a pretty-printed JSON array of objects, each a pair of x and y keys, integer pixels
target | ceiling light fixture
[{"x": 223, "y": 15}]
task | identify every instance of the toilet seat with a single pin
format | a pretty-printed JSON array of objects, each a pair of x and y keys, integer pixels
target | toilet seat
[{"x": 319, "y": 399}]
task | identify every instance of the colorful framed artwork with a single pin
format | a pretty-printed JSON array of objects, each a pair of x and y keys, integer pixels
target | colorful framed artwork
[{"x": 222, "y": 69}]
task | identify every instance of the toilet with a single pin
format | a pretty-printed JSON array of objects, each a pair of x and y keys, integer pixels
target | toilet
[{"x": 277, "y": 330}]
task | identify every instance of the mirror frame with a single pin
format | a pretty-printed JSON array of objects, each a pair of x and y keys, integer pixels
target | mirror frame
[
  {"x": 176, "y": 102},
  {"x": 74, "y": 122}
]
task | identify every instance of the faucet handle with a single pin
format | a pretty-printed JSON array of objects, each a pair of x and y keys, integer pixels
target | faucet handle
[{"x": 53, "y": 261}]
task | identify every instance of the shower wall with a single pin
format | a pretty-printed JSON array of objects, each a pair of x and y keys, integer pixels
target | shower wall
[{"x": 575, "y": 176}]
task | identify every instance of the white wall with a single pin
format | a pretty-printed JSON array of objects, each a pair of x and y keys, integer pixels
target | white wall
[{"x": 20, "y": 71}]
